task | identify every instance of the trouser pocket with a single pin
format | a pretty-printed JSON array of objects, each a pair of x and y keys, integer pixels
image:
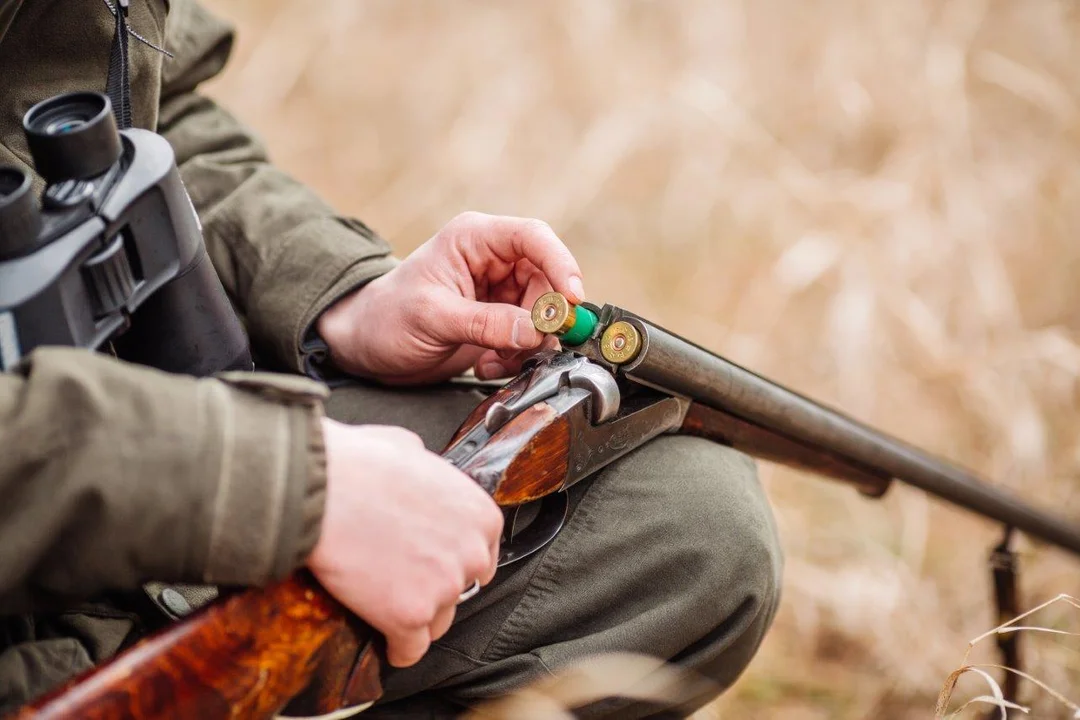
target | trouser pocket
[{"x": 40, "y": 652}]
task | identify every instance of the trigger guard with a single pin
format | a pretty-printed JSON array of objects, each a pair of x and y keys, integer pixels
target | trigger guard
[{"x": 542, "y": 530}]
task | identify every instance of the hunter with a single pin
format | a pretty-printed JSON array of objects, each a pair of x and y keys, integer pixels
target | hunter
[{"x": 118, "y": 479}]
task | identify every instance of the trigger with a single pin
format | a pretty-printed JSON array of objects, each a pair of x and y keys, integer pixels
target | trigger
[
  {"x": 532, "y": 526},
  {"x": 520, "y": 517}
]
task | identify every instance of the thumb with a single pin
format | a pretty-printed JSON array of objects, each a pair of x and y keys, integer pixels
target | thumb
[{"x": 496, "y": 326}]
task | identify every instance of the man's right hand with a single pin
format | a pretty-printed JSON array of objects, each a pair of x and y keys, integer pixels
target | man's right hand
[{"x": 403, "y": 535}]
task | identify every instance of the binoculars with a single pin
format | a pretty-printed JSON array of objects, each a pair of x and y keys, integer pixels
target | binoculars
[{"x": 111, "y": 257}]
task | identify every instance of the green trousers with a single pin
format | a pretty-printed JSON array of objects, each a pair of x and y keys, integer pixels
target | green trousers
[{"x": 671, "y": 551}]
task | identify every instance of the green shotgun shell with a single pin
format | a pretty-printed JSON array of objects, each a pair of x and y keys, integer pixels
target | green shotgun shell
[
  {"x": 584, "y": 324},
  {"x": 553, "y": 314}
]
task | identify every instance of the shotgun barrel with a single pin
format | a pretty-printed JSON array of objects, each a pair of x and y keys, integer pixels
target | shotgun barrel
[{"x": 650, "y": 355}]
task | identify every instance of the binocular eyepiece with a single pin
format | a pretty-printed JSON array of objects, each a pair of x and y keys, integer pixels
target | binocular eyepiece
[
  {"x": 71, "y": 137},
  {"x": 20, "y": 219},
  {"x": 112, "y": 252}
]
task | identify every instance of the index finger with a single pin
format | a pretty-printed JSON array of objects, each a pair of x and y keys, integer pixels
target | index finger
[{"x": 513, "y": 238}]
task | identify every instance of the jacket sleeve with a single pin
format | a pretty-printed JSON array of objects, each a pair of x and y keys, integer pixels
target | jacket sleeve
[
  {"x": 113, "y": 474},
  {"x": 282, "y": 253}
]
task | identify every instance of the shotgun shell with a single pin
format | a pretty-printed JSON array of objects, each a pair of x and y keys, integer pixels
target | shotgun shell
[
  {"x": 553, "y": 314},
  {"x": 620, "y": 342}
]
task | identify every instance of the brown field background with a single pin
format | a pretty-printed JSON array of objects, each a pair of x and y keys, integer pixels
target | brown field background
[{"x": 875, "y": 203}]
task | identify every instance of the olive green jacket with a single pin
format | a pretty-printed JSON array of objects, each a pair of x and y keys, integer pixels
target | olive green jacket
[{"x": 113, "y": 474}]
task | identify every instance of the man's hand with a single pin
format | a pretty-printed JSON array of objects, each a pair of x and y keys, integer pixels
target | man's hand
[
  {"x": 460, "y": 300},
  {"x": 404, "y": 534}
]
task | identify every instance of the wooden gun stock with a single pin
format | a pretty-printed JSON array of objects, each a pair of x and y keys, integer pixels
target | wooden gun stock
[
  {"x": 291, "y": 645},
  {"x": 246, "y": 655}
]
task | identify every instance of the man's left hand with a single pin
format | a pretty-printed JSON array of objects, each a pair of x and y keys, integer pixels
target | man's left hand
[{"x": 460, "y": 300}]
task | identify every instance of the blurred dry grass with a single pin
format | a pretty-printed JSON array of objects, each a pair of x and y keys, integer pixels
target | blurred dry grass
[{"x": 876, "y": 203}]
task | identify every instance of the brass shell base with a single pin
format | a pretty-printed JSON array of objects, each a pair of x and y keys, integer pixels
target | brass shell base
[
  {"x": 553, "y": 314},
  {"x": 620, "y": 343}
]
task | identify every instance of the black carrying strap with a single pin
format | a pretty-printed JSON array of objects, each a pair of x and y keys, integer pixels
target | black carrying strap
[{"x": 118, "y": 86}]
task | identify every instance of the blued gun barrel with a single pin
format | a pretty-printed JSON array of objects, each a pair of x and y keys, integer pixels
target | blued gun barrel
[{"x": 655, "y": 357}]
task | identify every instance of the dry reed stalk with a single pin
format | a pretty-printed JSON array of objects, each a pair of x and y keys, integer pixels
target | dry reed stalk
[{"x": 996, "y": 698}]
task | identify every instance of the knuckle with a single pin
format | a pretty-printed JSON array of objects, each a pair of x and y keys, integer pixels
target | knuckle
[
  {"x": 537, "y": 226},
  {"x": 413, "y": 611},
  {"x": 406, "y": 436},
  {"x": 423, "y": 304},
  {"x": 485, "y": 327},
  {"x": 469, "y": 218},
  {"x": 396, "y": 435}
]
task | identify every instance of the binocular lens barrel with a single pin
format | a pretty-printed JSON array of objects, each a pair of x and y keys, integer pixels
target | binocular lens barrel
[
  {"x": 72, "y": 136},
  {"x": 20, "y": 220}
]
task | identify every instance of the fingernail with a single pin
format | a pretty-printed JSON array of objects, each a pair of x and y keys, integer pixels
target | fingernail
[
  {"x": 577, "y": 288},
  {"x": 525, "y": 335},
  {"x": 491, "y": 370}
]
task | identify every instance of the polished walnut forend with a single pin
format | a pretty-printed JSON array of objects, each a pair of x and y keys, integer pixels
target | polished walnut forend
[{"x": 525, "y": 460}]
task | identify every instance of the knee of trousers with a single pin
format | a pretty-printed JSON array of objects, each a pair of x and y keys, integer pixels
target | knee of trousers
[
  {"x": 670, "y": 552},
  {"x": 704, "y": 549}
]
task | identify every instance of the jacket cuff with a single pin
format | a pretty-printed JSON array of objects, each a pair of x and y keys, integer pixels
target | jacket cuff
[
  {"x": 268, "y": 505},
  {"x": 327, "y": 259}
]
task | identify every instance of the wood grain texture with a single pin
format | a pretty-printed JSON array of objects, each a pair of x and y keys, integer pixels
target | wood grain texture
[
  {"x": 752, "y": 439},
  {"x": 526, "y": 459},
  {"x": 291, "y": 648},
  {"x": 243, "y": 657},
  {"x": 334, "y": 684},
  {"x": 540, "y": 468}
]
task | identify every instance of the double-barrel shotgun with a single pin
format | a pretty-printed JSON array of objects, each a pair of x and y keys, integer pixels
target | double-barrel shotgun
[{"x": 290, "y": 649}]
